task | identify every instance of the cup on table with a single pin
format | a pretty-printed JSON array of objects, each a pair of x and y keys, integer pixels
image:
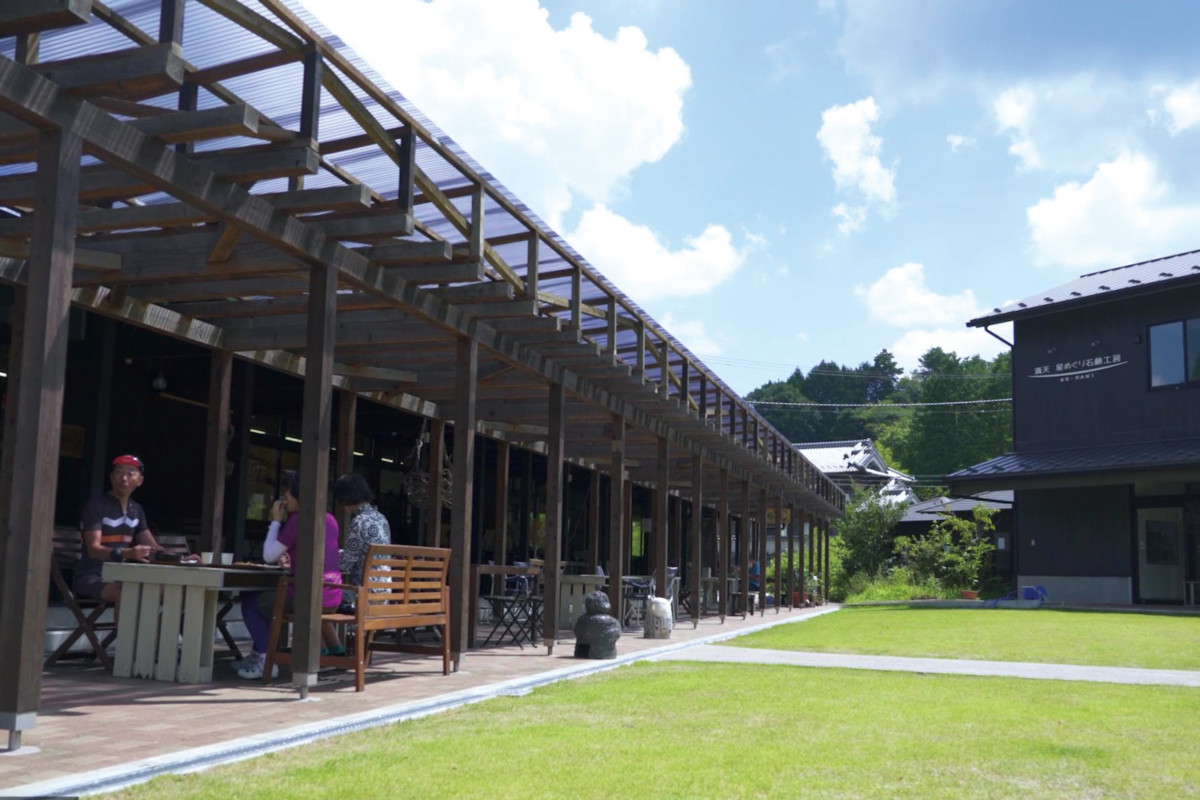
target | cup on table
[
  {"x": 226, "y": 559},
  {"x": 206, "y": 557}
]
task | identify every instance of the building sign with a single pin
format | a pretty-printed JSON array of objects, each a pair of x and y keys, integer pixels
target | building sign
[{"x": 1081, "y": 369}]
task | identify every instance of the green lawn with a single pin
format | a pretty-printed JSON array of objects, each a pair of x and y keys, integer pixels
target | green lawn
[
  {"x": 709, "y": 730},
  {"x": 1055, "y": 636}
]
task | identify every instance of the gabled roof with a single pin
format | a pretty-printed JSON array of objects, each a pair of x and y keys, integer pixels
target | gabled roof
[
  {"x": 1145, "y": 277},
  {"x": 927, "y": 509},
  {"x": 849, "y": 456}
]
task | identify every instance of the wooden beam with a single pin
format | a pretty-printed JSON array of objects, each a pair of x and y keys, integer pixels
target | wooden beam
[
  {"x": 555, "y": 523},
  {"x": 617, "y": 524},
  {"x": 695, "y": 560},
  {"x": 132, "y": 74},
  {"x": 19, "y": 17}
]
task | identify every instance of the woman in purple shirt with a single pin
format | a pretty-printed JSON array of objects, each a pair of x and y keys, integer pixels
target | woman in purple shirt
[{"x": 282, "y": 538}]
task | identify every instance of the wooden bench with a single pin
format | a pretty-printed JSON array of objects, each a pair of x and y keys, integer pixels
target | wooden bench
[
  {"x": 403, "y": 587},
  {"x": 67, "y": 547}
]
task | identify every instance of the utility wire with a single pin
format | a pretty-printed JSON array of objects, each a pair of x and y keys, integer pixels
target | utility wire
[{"x": 782, "y": 404}]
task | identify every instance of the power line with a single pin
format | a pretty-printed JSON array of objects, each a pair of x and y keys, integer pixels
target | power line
[{"x": 782, "y": 404}]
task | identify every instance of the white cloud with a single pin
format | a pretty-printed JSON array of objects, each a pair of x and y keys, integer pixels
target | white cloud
[
  {"x": 1182, "y": 106},
  {"x": 852, "y": 217},
  {"x": 845, "y": 136},
  {"x": 636, "y": 259},
  {"x": 568, "y": 113},
  {"x": 1122, "y": 215},
  {"x": 1013, "y": 110},
  {"x": 963, "y": 341},
  {"x": 901, "y": 298},
  {"x": 802, "y": 336},
  {"x": 693, "y": 335},
  {"x": 958, "y": 142}
]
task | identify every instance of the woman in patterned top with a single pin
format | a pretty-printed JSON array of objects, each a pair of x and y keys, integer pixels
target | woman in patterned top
[{"x": 367, "y": 527}]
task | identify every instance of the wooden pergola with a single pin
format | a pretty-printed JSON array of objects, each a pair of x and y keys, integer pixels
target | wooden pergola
[{"x": 224, "y": 174}]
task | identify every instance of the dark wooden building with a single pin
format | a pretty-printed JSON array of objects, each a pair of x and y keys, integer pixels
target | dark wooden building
[{"x": 1106, "y": 435}]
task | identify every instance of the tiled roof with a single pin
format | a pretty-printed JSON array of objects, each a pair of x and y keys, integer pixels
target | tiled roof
[
  {"x": 1146, "y": 276},
  {"x": 1104, "y": 458}
]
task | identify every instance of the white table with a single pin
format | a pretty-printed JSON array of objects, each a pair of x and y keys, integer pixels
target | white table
[
  {"x": 572, "y": 591},
  {"x": 158, "y": 602}
]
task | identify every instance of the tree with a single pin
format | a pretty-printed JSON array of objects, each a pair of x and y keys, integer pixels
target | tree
[
  {"x": 955, "y": 550},
  {"x": 866, "y": 532}
]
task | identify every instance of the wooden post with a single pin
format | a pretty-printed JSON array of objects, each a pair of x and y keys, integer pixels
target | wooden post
[
  {"x": 465, "y": 395},
  {"x": 594, "y": 519},
  {"x": 437, "y": 456},
  {"x": 725, "y": 533},
  {"x": 675, "y": 531},
  {"x": 616, "y": 513},
  {"x": 760, "y": 546},
  {"x": 315, "y": 425},
  {"x": 812, "y": 544},
  {"x": 694, "y": 546},
  {"x": 554, "y": 515},
  {"x": 346, "y": 434},
  {"x": 34, "y": 423},
  {"x": 825, "y": 572},
  {"x": 216, "y": 443},
  {"x": 792, "y": 526},
  {"x": 744, "y": 536},
  {"x": 778, "y": 552},
  {"x": 500, "y": 520},
  {"x": 661, "y": 499}
]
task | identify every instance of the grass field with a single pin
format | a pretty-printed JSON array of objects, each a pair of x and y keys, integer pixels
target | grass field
[
  {"x": 708, "y": 730},
  {"x": 1045, "y": 635}
]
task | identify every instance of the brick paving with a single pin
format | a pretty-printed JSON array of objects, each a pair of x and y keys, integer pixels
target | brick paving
[{"x": 90, "y": 721}]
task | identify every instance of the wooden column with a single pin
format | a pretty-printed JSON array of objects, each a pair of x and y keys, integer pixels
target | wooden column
[
  {"x": 675, "y": 531},
  {"x": 216, "y": 443},
  {"x": 346, "y": 433},
  {"x": 825, "y": 572},
  {"x": 745, "y": 549},
  {"x": 437, "y": 455},
  {"x": 778, "y": 552},
  {"x": 694, "y": 542},
  {"x": 724, "y": 534},
  {"x": 616, "y": 513},
  {"x": 554, "y": 514},
  {"x": 792, "y": 566},
  {"x": 315, "y": 426},
  {"x": 465, "y": 392},
  {"x": 662, "y": 498},
  {"x": 812, "y": 544},
  {"x": 33, "y": 424},
  {"x": 760, "y": 547},
  {"x": 627, "y": 541},
  {"x": 500, "y": 520},
  {"x": 594, "y": 519}
]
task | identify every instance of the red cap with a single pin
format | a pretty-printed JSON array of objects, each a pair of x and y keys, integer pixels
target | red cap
[{"x": 132, "y": 461}]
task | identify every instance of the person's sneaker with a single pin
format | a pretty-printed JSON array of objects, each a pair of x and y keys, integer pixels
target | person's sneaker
[
  {"x": 254, "y": 671},
  {"x": 339, "y": 651},
  {"x": 248, "y": 661}
]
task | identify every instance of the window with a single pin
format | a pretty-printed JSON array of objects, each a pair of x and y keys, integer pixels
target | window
[{"x": 1175, "y": 353}]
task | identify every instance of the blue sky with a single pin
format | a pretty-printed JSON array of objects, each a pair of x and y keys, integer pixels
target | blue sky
[{"x": 780, "y": 182}]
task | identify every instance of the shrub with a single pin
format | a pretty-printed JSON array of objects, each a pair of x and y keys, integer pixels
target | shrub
[{"x": 954, "y": 552}]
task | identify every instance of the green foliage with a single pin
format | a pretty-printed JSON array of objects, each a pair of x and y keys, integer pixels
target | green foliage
[
  {"x": 865, "y": 532},
  {"x": 898, "y": 585},
  {"x": 954, "y": 552}
]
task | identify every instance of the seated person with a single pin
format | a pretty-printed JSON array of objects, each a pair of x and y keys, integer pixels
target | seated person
[
  {"x": 114, "y": 529},
  {"x": 755, "y": 574},
  {"x": 367, "y": 527},
  {"x": 280, "y": 546}
]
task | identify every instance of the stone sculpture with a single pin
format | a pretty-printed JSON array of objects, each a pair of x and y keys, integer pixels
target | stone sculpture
[{"x": 597, "y": 631}]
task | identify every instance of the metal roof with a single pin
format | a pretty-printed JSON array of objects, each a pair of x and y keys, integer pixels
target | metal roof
[
  {"x": 922, "y": 511},
  {"x": 1160, "y": 274},
  {"x": 1163, "y": 455}
]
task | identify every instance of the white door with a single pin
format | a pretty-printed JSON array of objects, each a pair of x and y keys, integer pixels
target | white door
[{"x": 1160, "y": 554}]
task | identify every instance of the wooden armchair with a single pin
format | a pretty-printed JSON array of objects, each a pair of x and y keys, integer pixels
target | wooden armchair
[
  {"x": 403, "y": 587},
  {"x": 67, "y": 543}
]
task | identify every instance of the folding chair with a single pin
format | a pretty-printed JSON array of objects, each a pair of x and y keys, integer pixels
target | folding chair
[{"x": 67, "y": 543}]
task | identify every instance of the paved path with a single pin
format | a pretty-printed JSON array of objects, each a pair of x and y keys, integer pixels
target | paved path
[{"x": 944, "y": 666}]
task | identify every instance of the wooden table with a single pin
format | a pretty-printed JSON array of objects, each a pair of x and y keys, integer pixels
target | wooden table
[{"x": 158, "y": 602}]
